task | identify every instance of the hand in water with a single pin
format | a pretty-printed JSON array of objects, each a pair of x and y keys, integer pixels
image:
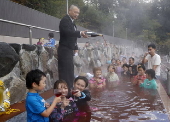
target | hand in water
[{"x": 139, "y": 82}]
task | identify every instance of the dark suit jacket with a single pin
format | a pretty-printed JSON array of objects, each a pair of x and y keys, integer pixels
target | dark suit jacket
[{"x": 68, "y": 34}]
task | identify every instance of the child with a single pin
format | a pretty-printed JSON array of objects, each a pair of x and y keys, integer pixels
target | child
[
  {"x": 66, "y": 109},
  {"x": 118, "y": 67},
  {"x": 149, "y": 82},
  {"x": 141, "y": 76},
  {"x": 51, "y": 42},
  {"x": 82, "y": 96},
  {"x": 41, "y": 41},
  {"x": 125, "y": 73},
  {"x": 124, "y": 60},
  {"x": 113, "y": 61},
  {"x": 132, "y": 68},
  {"x": 97, "y": 81},
  {"x": 36, "y": 106},
  {"x": 112, "y": 77}
]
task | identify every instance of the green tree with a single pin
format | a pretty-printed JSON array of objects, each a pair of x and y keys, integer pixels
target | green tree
[{"x": 163, "y": 15}]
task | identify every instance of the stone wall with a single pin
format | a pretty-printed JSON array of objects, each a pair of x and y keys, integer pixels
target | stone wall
[{"x": 17, "y": 60}]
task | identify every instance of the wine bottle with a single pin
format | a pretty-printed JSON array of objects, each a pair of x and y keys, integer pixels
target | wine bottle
[{"x": 93, "y": 34}]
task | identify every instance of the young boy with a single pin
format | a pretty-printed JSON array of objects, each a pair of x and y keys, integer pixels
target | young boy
[{"x": 36, "y": 106}]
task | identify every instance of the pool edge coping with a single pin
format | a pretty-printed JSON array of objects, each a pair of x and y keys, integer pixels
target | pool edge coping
[{"x": 164, "y": 97}]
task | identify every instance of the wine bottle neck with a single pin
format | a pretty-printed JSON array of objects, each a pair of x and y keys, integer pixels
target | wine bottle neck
[{"x": 93, "y": 34}]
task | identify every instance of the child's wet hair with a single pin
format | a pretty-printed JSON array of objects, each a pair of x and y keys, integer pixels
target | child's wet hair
[
  {"x": 132, "y": 58},
  {"x": 150, "y": 72},
  {"x": 56, "y": 84},
  {"x": 141, "y": 66},
  {"x": 82, "y": 78}
]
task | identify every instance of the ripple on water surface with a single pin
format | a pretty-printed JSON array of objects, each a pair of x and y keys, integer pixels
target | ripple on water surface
[{"x": 128, "y": 103}]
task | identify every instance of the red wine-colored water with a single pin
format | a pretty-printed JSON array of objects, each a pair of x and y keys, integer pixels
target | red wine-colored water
[{"x": 127, "y": 103}]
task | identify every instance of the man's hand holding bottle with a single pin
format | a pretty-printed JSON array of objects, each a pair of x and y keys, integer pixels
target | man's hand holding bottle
[
  {"x": 83, "y": 34},
  {"x": 87, "y": 34}
]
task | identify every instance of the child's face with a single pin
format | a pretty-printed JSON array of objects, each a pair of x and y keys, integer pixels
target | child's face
[
  {"x": 87, "y": 44},
  {"x": 80, "y": 85},
  {"x": 141, "y": 71},
  {"x": 42, "y": 40},
  {"x": 147, "y": 76},
  {"x": 64, "y": 89},
  {"x": 118, "y": 62},
  {"x": 98, "y": 73},
  {"x": 111, "y": 69},
  {"x": 113, "y": 61},
  {"x": 125, "y": 68},
  {"x": 41, "y": 85}
]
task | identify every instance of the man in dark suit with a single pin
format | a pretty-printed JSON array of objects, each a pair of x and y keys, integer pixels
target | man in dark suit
[{"x": 67, "y": 45}]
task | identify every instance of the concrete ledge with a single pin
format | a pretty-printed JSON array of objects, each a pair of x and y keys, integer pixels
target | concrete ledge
[{"x": 164, "y": 97}]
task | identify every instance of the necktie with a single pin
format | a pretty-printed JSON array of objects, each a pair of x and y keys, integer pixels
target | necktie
[{"x": 75, "y": 28}]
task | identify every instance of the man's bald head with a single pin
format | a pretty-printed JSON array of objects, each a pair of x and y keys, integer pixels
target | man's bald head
[
  {"x": 74, "y": 12},
  {"x": 73, "y": 7}
]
